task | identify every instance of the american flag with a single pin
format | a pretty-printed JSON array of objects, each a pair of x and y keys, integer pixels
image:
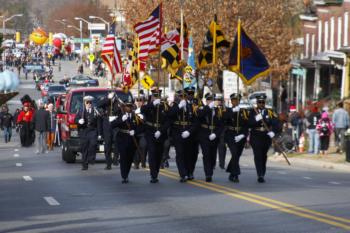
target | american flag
[
  {"x": 110, "y": 54},
  {"x": 149, "y": 33}
]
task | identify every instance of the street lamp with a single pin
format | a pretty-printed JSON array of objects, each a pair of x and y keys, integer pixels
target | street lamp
[
  {"x": 8, "y": 19},
  {"x": 81, "y": 37},
  {"x": 81, "y": 22},
  {"x": 96, "y": 17},
  {"x": 63, "y": 22}
]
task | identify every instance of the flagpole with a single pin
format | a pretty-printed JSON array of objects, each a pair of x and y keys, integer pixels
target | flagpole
[
  {"x": 182, "y": 55},
  {"x": 239, "y": 64},
  {"x": 159, "y": 52},
  {"x": 214, "y": 47},
  {"x": 138, "y": 68}
]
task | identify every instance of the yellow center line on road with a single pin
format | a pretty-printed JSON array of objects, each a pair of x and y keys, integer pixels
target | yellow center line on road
[{"x": 271, "y": 203}]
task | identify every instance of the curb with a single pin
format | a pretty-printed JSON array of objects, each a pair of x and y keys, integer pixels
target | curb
[{"x": 313, "y": 163}]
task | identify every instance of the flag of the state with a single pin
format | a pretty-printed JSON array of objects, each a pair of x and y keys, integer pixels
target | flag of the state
[
  {"x": 205, "y": 57},
  {"x": 246, "y": 59}
]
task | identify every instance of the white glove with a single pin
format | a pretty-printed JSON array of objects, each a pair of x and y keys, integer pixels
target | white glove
[
  {"x": 271, "y": 134},
  {"x": 258, "y": 117},
  {"x": 156, "y": 102},
  {"x": 124, "y": 117},
  {"x": 81, "y": 121},
  {"x": 235, "y": 109},
  {"x": 112, "y": 118},
  {"x": 182, "y": 104},
  {"x": 138, "y": 111},
  {"x": 212, "y": 136},
  {"x": 185, "y": 134},
  {"x": 111, "y": 95},
  {"x": 157, "y": 134},
  {"x": 211, "y": 105},
  {"x": 99, "y": 137},
  {"x": 132, "y": 132},
  {"x": 141, "y": 116},
  {"x": 239, "y": 137}
]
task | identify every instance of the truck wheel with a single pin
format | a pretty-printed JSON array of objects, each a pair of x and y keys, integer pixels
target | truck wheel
[{"x": 67, "y": 155}]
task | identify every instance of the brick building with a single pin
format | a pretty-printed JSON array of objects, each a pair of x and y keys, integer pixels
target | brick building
[{"x": 322, "y": 70}]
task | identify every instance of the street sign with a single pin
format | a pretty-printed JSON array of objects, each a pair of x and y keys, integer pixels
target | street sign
[
  {"x": 84, "y": 40},
  {"x": 298, "y": 71},
  {"x": 147, "y": 82},
  {"x": 97, "y": 26}
]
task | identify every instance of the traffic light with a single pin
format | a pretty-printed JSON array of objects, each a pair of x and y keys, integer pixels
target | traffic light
[{"x": 97, "y": 41}]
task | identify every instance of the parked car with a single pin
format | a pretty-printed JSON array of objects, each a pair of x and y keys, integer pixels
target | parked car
[
  {"x": 80, "y": 80},
  {"x": 72, "y": 105}
]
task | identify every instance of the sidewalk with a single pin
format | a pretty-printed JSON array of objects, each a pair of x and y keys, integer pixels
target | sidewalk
[
  {"x": 331, "y": 161},
  {"x": 14, "y": 143}
]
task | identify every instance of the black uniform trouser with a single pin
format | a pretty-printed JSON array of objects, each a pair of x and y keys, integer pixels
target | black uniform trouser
[
  {"x": 222, "y": 150},
  {"x": 183, "y": 153},
  {"x": 127, "y": 150},
  {"x": 155, "y": 153},
  {"x": 236, "y": 150},
  {"x": 88, "y": 145},
  {"x": 260, "y": 143},
  {"x": 107, "y": 138},
  {"x": 209, "y": 149},
  {"x": 115, "y": 142},
  {"x": 140, "y": 155},
  {"x": 193, "y": 148}
]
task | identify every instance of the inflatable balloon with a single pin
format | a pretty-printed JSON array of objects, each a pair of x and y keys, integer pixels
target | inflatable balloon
[
  {"x": 2, "y": 82},
  {"x": 57, "y": 42},
  {"x": 8, "y": 81},
  {"x": 15, "y": 80},
  {"x": 38, "y": 36}
]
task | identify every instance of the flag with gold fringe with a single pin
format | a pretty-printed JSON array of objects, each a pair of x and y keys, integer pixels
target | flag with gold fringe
[{"x": 246, "y": 59}]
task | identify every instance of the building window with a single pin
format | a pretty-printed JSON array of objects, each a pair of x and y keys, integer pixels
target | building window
[
  {"x": 331, "y": 47},
  {"x": 307, "y": 42},
  {"x": 339, "y": 32},
  {"x": 319, "y": 36},
  {"x": 325, "y": 36},
  {"x": 346, "y": 28},
  {"x": 313, "y": 44}
]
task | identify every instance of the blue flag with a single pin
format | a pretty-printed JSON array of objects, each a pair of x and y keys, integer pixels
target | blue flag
[
  {"x": 246, "y": 59},
  {"x": 191, "y": 61}
]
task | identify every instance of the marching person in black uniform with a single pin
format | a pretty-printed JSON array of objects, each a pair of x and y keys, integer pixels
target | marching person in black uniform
[
  {"x": 182, "y": 132},
  {"x": 156, "y": 125},
  {"x": 193, "y": 147},
  {"x": 236, "y": 124},
  {"x": 140, "y": 157},
  {"x": 108, "y": 109},
  {"x": 219, "y": 99},
  {"x": 87, "y": 126},
  {"x": 128, "y": 123},
  {"x": 211, "y": 126},
  {"x": 263, "y": 123}
]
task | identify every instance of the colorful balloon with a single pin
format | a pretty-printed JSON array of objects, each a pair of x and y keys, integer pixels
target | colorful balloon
[
  {"x": 57, "y": 42},
  {"x": 38, "y": 36}
]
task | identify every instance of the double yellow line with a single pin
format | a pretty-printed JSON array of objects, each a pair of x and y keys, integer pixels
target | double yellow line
[{"x": 271, "y": 203}]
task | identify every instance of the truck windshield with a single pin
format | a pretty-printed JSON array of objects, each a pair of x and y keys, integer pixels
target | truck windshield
[{"x": 77, "y": 98}]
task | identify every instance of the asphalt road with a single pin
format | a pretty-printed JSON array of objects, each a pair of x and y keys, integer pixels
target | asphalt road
[{"x": 41, "y": 193}]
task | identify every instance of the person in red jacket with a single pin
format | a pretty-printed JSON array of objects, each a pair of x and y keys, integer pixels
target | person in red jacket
[{"x": 24, "y": 120}]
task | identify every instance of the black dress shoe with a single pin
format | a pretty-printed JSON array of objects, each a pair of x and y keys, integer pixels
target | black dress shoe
[
  {"x": 261, "y": 179},
  {"x": 208, "y": 179},
  {"x": 222, "y": 167},
  {"x": 183, "y": 180},
  {"x": 190, "y": 177},
  {"x": 233, "y": 178},
  {"x": 154, "y": 180},
  {"x": 108, "y": 167},
  {"x": 125, "y": 181},
  {"x": 143, "y": 165},
  {"x": 84, "y": 168},
  {"x": 137, "y": 166}
]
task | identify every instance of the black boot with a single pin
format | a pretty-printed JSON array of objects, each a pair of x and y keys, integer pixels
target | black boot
[
  {"x": 233, "y": 178},
  {"x": 154, "y": 180},
  {"x": 208, "y": 179},
  {"x": 125, "y": 181},
  {"x": 183, "y": 180},
  {"x": 108, "y": 167},
  {"x": 261, "y": 179}
]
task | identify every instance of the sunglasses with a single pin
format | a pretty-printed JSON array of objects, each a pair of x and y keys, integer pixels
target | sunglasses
[
  {"x": 261, "y": 102},
  {"x": 88, "y": 102}
]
